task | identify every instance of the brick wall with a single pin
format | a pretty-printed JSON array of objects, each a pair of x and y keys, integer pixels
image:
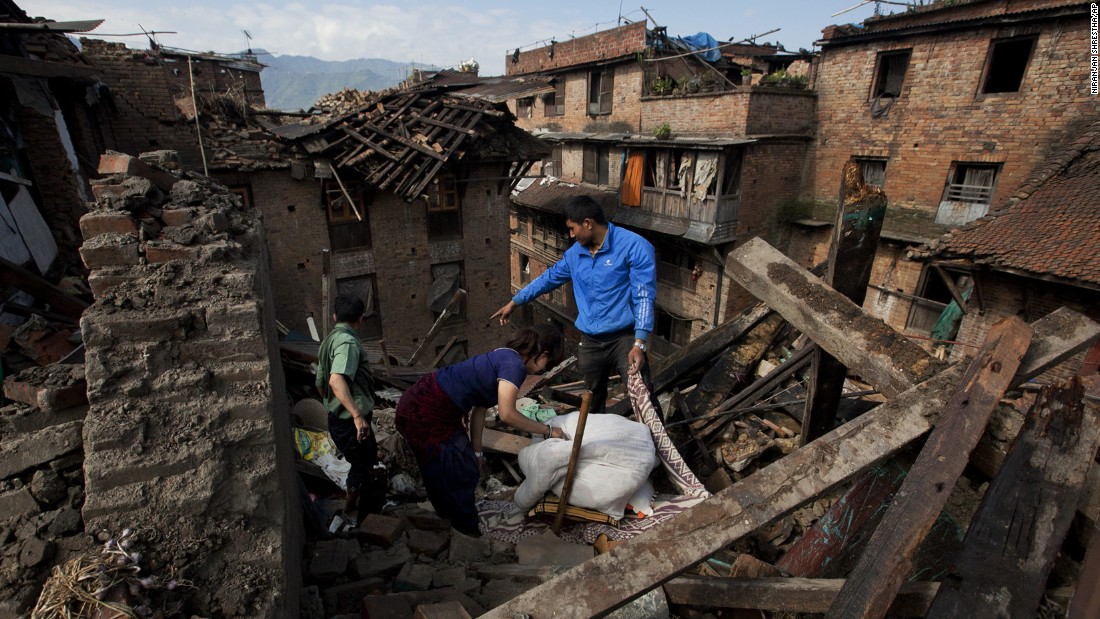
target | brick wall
[
  {"x": 213, "y": 76},
  {"x": 625, "y": 108},
  {"x": 187, "y": 431},
  {"x": 725, "y": 113},
  {"x": 771, "y": 177},
  {"x": 1007, "y": 295},
  {"x": 601, "y": 46},
  {"x": 939, "y": 118},
  {"x": 144, "y": 86},
  {"x": 55, "y": 180},
  {"x": 296, "y": 233}
]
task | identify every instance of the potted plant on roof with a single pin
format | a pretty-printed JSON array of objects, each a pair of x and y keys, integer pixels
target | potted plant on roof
[{"x": 662, "y": 131}]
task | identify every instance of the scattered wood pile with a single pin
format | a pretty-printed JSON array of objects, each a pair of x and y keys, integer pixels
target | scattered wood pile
[{"x": 861, "y": 466}]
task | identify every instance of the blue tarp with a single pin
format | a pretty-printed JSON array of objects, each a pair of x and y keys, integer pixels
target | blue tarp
[{"x": 700, "y": 41}]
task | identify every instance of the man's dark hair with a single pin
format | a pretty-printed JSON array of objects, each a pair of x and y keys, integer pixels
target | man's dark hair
[
  {"x": 348, "y": 308},
  {"x": 542, "y": 338},
  {"x": 582, "y": 207}
]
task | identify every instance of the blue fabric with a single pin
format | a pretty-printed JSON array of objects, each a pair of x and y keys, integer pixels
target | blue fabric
[
  {"x": 614, "y": 290},
  {"x": 473, "y": 382},
  {"x": 702, "y": 40},
  {"x": 450, "y": 478}
]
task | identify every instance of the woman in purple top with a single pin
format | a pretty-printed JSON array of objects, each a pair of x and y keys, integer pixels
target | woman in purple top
[{"x": 442, "y": 417}]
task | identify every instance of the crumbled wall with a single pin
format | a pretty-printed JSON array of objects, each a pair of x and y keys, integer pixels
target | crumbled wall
[
  {"x": 614, "y": 43},
  {"x": 187, "y": 430}
]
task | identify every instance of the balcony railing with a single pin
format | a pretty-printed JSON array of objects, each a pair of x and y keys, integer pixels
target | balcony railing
[
  {"x": 974, "y": 194},
  {"x": 670, "y": 203}
]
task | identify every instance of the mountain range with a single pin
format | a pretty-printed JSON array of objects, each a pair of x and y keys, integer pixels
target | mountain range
[{"x": 296, "y": 82}]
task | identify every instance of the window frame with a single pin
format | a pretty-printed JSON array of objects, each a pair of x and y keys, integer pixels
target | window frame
[
  {"x": 444, "y": 214},
  {"x": 553, "y": 104},
  {"x": 346, "y": 232},
  {"x": 862, "y": 161},
  {"x": 525, "y": 107},
  {"x": 601, "y": 88},
  {"x": 882, "y": 73},
  {"x": 955, "y": 189},
  {"x": 554, "y": 161},
  {"x": 596, "y": 169},
  {"x": 991, "y": 58}
]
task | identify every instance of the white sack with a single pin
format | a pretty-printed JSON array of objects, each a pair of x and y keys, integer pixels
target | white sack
[{"x": 616, "y": 458}]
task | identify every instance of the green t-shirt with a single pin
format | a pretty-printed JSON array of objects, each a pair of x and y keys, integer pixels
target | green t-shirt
[{"x": 342, "y": 353}]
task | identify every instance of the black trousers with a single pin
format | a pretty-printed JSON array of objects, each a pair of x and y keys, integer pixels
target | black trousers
[
  {"x": 362, "y": 456},
  {"x": 598, "y": 356}
]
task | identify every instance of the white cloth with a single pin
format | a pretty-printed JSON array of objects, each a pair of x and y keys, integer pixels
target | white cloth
[{"x": 616, "y": 458}]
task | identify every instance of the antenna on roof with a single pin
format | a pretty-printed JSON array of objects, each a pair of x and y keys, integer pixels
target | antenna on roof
[{"x": 248, "y": 41}]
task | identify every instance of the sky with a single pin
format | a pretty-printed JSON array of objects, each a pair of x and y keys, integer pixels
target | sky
[{"x": 442, "y": 34}]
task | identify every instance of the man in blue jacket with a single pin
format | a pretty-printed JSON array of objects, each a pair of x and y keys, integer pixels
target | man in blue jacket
[{"x": 614, "y": 277}]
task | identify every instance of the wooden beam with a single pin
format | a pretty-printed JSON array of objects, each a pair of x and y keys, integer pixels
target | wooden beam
[
  {"x": 504, "y": 442},
  {"x": 1025, "y": 514},
  {"x": 378, "y": 148},
  {"x": 549, "y": 376},
  {"x": 45, "y": 68},
  {"x": 887, "y": 560},
  {"x": 443, "y": 351},
  {"x": 701, "y": 349},
  {"x": 732, "y": 371},
  {"x": 849, "y": 521},
  {"x": 882, "y": 356},
  {"x": 1085, "y": 603},
  {"x": 952, "y": 289},
  {"x": 791, "y": 595},
  {"x": 12, "y": 274},
  {"x": 851, "y": 256},
  {"x": 600, "y": 584},
  {"x": 434, "y": 331}
]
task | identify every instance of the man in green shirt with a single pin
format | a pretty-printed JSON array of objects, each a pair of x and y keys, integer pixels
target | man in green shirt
[{"x": 345, "y": 384}]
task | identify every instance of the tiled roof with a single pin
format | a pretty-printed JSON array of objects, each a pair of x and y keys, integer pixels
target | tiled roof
[
  {"x": 1050, "y": 228},
  {"x": 551, "y": 194}
]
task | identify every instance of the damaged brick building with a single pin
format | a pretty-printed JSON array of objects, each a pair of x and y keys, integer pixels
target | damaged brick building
[{"x": 178, "y": 415}]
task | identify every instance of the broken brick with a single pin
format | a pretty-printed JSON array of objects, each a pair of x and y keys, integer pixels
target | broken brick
[
  {"x": 346, "y": 598},
  {"x": 443, "y": 610},
  {"x": 17, "y": 503},
  {"x": 386, "y": 607},
  {"x": 427, "y": 542},
  {"x": 177, "y": 216},
  {"x": 414, "y": 577},
  {"x": 156, "y": 253},
  {"x": 103, "y": 222},
  {"x": 449, "y": 577},
  {"x": 381, "y": 530},
  {"x": 24, "y": 452},
  {"x": 109, "y": 255},
  {"x": 46, "y": 398},
  {"x": 119, "y": 163}
]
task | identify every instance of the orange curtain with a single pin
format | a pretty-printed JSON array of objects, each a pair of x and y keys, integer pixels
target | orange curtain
[{"x": 632, "y": 179}]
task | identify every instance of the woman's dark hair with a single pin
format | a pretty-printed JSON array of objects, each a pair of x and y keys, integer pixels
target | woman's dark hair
[{"x": 531, "y": 342}]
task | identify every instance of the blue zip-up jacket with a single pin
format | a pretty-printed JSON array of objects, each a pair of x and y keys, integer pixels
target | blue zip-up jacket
[{"x": 614, "y": 289}]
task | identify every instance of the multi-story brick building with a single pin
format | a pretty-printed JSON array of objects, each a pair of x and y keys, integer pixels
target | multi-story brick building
[
  {"x": 677, "y": 147},
  {"x": 949, "y": 107}
]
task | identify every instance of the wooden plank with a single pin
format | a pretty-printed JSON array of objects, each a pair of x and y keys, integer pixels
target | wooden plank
[
  {"x": 883, "y": 357},
  {"x": 600, "y": 584},
  {"x": 16, "y": 276},
  {"x": 378, "y": 148},
  {"x": 887, "y": 560},
  {"x": 1025, "y": 514},
  {"x": 494, "y": 440},
  {"x": 443, "y": 351},
  {"x": 434, "y": 331},
  {"x": 702, "y": 348},
  {"x": 45, "y": 68},
  {"x": 850, "y": 519},
  {"x": 762, "y": 386},
  {"x": 1085, "y": 603},
  {"x": 549, "y": 376},
  {"x": 732, "y": 371},
  {"x": 851, "y": 256},
  {"x": 792, "y": 595}
]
